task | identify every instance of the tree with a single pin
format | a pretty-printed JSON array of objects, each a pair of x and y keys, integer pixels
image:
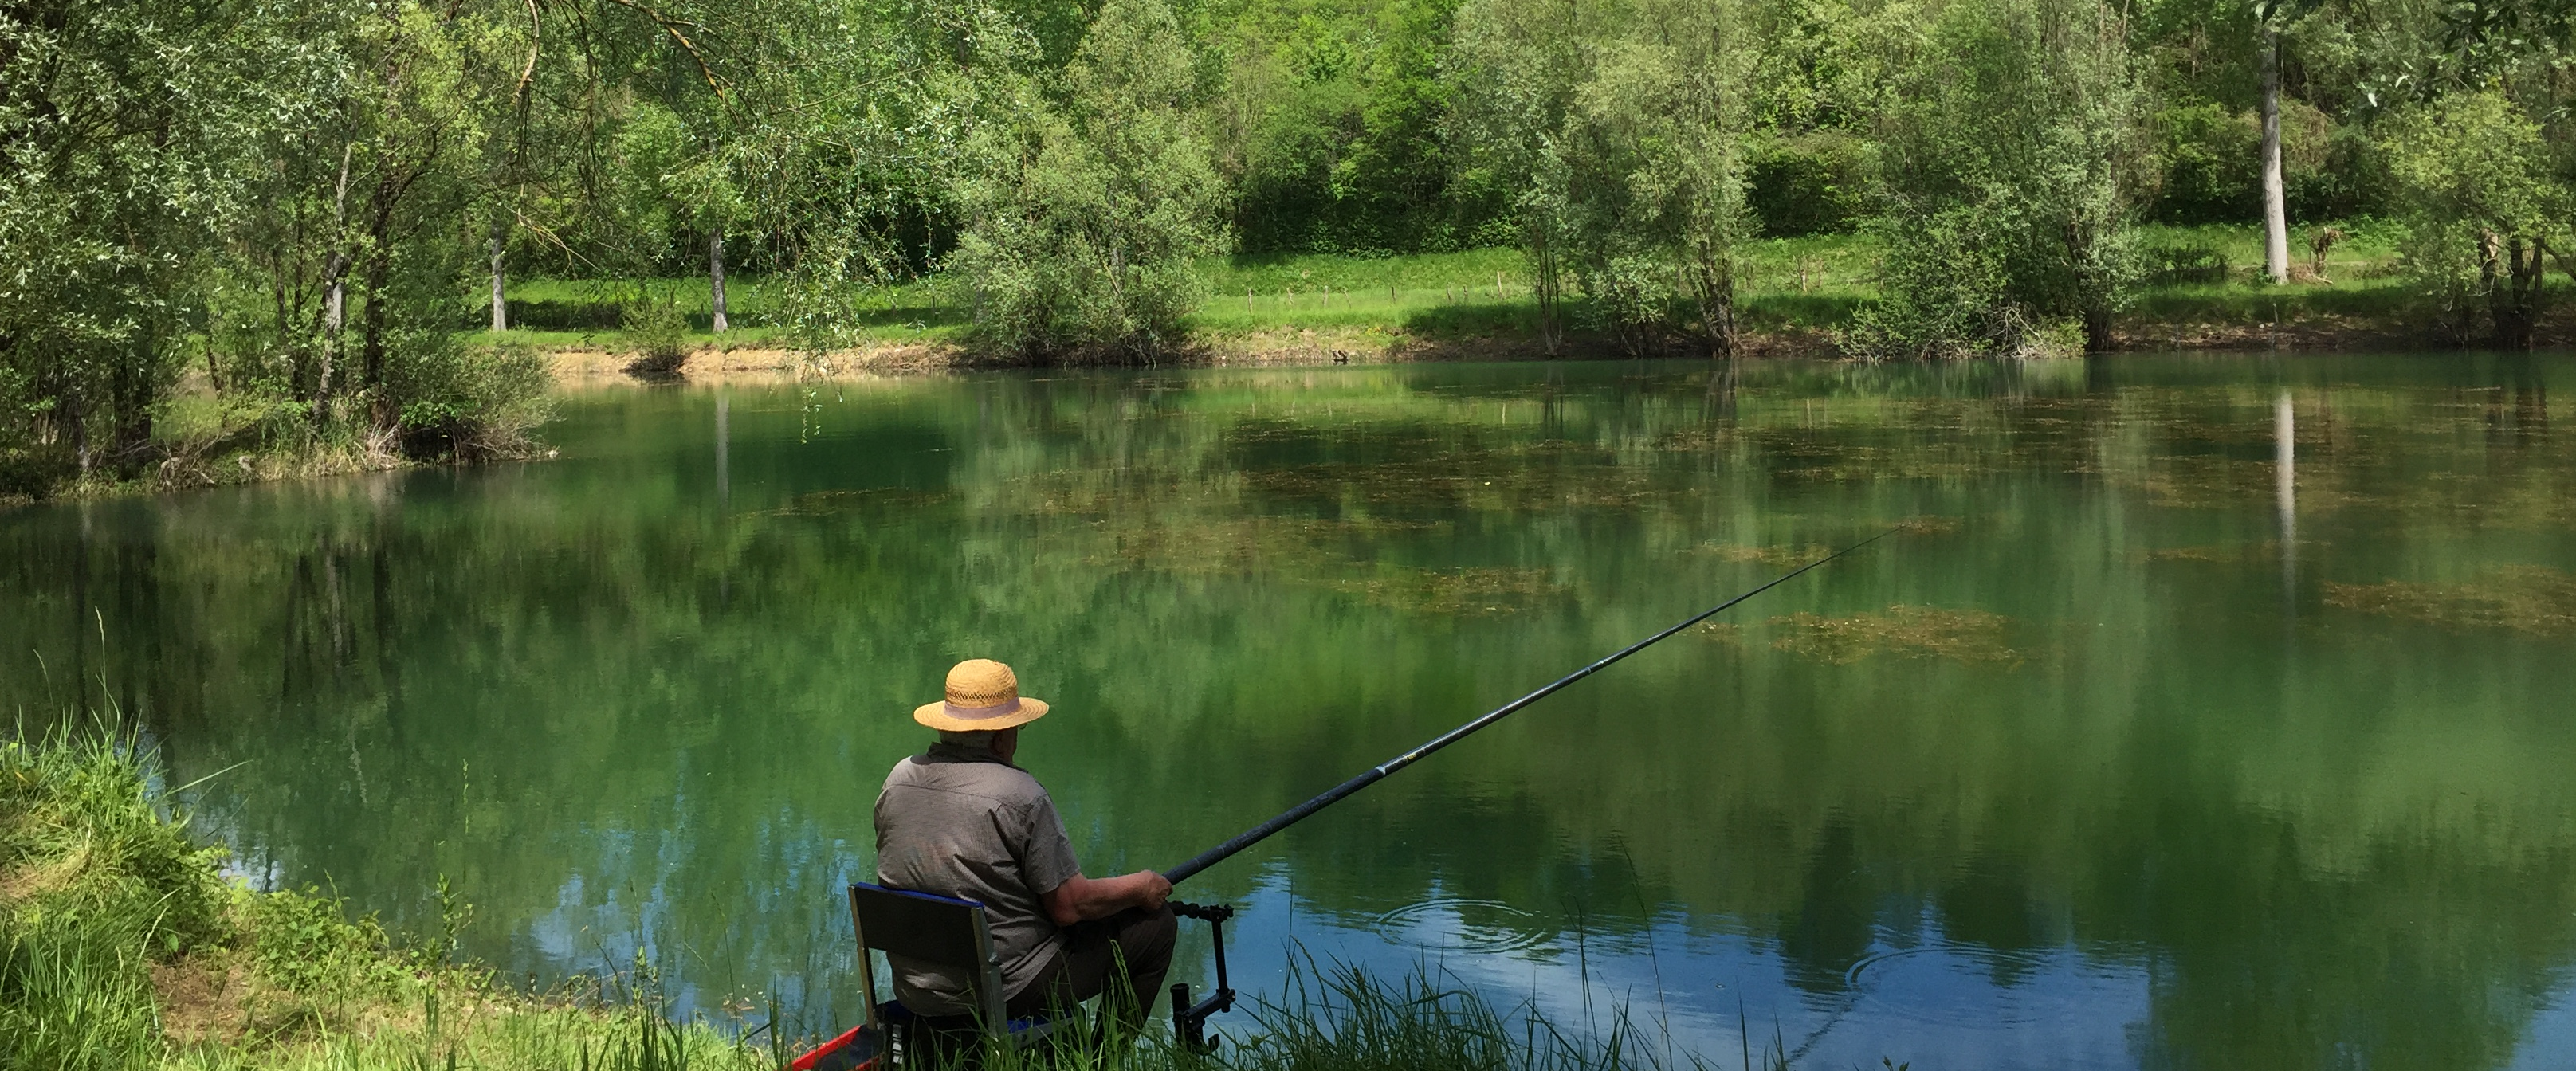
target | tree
[
  {"x": 126, "y": 131},
  {"x": 2482, "y": 207},
  {"x": 1518, "y": 66},
  {"x": 2276, "y": 211},
  {"x": 1085, "y": 218},
  {"x": 1663, "y": 120},
  {"x": 2013, "y": 156}
]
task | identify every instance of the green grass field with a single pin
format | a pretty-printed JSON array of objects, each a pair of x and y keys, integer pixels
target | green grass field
[{"x": 2197, "y": 276}]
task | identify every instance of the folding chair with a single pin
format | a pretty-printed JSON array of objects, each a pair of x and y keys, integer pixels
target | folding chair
[{"x": 933, "y": 929}]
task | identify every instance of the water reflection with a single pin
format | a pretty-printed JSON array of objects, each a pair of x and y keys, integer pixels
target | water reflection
[{"x": 2154, "y": 836}]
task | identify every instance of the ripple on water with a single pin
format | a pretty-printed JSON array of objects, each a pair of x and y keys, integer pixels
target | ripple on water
[
  {"x": 1478, "y": 926},
  {"x": 1968, "y": 985}
]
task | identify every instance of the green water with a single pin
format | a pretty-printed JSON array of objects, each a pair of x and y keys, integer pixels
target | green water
[{"x": 2128, "y": 753}]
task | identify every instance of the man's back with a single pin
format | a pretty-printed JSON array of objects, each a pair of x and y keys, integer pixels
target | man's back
[{"x": 960, "y": 822}]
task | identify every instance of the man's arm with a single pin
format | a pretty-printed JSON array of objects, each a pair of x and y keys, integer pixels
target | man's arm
[{"x": 1082, "y": 899}]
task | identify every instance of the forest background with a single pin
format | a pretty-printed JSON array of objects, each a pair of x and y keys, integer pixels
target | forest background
[{"x": 249, "y": 237}]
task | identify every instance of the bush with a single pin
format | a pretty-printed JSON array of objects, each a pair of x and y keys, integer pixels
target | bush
[
  {"x": 2484, "y": 202},
  {"x": 1088, "y": 217},
  {"x": 474, "y": 401},
  {"x": 1815, "y": 183},
  {"x": 660, "y": 334},
  {"x": 2012, "y": 160},
  {"x": 2166, "y": 265},
  {"x": 2212, "y": 165},
  {"x": 1943, "y": 293}
]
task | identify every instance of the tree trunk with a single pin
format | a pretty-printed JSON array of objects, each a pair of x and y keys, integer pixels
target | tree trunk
[
  {"x": 75, "y": 423},
  {"x": 1543, "y": 286},
  {"x": 1714, "y": 279},
  {"x": 2514, "y": 299},
  {"x": 2276, "y": 216},
  {"x": 335, "y": 306},
  {"x": 500, "y": 307},
  {"x": 372, "y": 346},
  {"x": 2097, "y": 329},
  {"x": 335, "y": 300},
  {"x": 715, "y": 278},
  {"x": 133, "y": 400}
]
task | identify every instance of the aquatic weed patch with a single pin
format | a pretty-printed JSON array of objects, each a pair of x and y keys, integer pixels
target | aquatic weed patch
[
  {"x": 1781, "y": 555},
  {"x": 2524, "y": 598},
  {"x": 864, "y": 499},
  {"x": 1968, "y": 637},
  {"x": 1452, "y": 591}
]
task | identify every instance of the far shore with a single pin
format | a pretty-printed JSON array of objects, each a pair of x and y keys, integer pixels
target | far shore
[{"x": 713, "y": 361}]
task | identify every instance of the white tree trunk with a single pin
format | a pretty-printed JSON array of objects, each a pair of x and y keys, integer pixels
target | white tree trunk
[
  {"x": 335, "y": 272},
  {"x": 715, "y": 278},
  {"x": 500, "y": 308},
  {"x": 2276, "y": 216}
]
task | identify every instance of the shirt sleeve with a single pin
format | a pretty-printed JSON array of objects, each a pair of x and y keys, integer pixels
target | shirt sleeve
[{"x": 1046, "y": 854}]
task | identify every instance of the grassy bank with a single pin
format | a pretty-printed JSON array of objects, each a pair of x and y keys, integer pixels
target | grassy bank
[
  {"x": 2203, "y": 288},
  {"x": 123, "y": 946}
]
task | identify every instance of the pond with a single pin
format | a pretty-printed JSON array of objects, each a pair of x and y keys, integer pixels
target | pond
[{"x": 2204, "y": 712}]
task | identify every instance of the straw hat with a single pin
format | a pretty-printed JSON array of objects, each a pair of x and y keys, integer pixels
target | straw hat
[{"x": 982, "y": 695}]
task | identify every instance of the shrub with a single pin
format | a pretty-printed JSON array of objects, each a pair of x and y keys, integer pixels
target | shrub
[
  {"x": 1088, "y": 217},
  {"x": 2211, "y": 165},
  {"x": 1815, "y": 183},
  {"x": 474, "y": 401},
  {"x": 2013, "y": 160},
  {"x": 2194, "y": 262},
  {"x": 2483, "y": 206},
  {"x": 660, "y": 334}
]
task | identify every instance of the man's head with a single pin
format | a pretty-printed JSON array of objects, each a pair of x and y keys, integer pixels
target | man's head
[{"x": 983, "y": 701}]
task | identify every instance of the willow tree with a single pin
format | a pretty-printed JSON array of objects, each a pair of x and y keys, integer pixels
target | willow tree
[
  {"x": 1516, "y": 69},
  {"x": 127, "y": 132},
  {"x": 1659, "y": 203},
  {"x": 2013, "y": 158},
  {"x": 2483, "y": 208},
  {"x": 1085, "y": 218}
]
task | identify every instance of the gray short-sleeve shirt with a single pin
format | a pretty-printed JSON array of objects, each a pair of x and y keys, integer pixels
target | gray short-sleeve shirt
[{"x": 960, "y": 822}]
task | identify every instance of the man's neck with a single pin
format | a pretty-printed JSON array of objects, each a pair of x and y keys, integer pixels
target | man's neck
[{"x": 969, "y": 753}]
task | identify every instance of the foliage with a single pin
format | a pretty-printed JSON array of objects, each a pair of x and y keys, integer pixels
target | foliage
[
  {"x": 1086, "y": 216},
  {"x": 1329, "y": 129},
  {"x": 2483, "y": 205},
  {"x": 1814, "y": 183},
  {"x": 658, "y": 333},
  {"x": 1658, "y": 148},
  {"x": 1518, "y": 68},
  {"x": 2012, "y": 165},
  {"x": 127, "y": 132}
]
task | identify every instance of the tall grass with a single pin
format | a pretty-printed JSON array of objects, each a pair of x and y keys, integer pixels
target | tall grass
[
  {"x": 122, "y": 947},
  {"x": 1340, "y": 1017}
]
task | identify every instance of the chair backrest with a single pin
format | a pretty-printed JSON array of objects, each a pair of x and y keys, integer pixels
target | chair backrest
[{"x": 934, "y": 929}]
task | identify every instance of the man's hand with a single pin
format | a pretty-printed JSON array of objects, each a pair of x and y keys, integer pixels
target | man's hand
[
  {"x": 1082, "y": 899},
  {"x": 1156, "y": 890}
]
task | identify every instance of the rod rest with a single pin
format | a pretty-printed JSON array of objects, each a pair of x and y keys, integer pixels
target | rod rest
[{"x": 1189, "y": 1021}]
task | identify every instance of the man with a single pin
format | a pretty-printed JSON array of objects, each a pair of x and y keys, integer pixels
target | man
[{"x": 962, "y": 821}]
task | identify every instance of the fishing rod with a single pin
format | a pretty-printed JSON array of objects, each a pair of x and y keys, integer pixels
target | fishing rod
[
  {"x": 1191, "y": 1019},
  {"x": 1374, "y": 774}
]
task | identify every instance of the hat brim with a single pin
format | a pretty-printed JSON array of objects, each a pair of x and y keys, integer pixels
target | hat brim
[{"x": 943, "y": 717}]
